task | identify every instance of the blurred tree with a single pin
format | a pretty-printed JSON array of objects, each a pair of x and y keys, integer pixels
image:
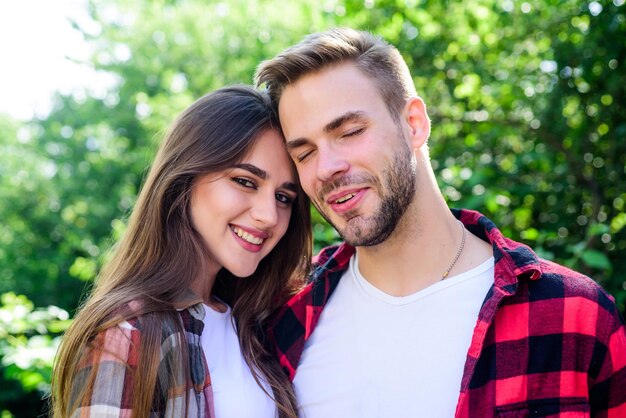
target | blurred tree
[
  {"x": 29, "y": 338},
  {"x": 82, "y": 165}
]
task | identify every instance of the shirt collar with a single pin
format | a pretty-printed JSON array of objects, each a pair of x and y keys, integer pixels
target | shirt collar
[
  {"x": 190, "y": 301},
  {"x": 513, "y": 260}
]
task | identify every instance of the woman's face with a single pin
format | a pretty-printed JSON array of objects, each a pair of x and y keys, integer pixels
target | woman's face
[{"x": 243, "y": 212}]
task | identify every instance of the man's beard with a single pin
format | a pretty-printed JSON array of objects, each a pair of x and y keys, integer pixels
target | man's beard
[{"x": 397, "y": 188}]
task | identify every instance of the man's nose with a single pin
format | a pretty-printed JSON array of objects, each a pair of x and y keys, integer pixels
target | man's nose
[{"x": 330, "y": 163}]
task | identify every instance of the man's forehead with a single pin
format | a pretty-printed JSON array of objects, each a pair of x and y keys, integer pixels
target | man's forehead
[{"x": 320, "y": 98}]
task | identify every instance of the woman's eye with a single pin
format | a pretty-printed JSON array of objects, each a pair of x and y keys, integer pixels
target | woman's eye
[
  {"x": 245, "y": 182},
  {"x": 284, "y": 198}
]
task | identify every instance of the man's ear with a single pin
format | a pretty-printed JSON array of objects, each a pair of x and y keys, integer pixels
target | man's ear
[{"x": 418, "y": 121}]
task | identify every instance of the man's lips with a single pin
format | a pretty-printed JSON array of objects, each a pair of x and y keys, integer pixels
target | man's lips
[
  {"x": 342, "y": 195},
  {"x": 346, "y": 200}
]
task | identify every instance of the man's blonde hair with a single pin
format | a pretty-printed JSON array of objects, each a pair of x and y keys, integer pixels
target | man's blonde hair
[{"x": 375, "y": 57}]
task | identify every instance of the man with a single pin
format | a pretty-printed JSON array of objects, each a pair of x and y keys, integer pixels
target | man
[{"x": 423, "y": 311}]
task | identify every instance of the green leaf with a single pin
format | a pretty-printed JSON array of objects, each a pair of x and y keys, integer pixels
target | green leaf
[
  {"x": 598, "y": 229},
  {"x": 596, "y": 259},
  {"x": 618, "y": 222}
]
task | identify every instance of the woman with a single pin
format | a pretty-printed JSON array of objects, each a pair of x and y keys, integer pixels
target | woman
[{"x": 218, "y": 236}]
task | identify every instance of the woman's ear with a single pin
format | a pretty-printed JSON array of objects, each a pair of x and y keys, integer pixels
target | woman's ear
[{"x": 418, "y": 121}]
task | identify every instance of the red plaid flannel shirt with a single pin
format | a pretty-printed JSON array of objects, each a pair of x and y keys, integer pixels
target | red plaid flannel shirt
[{"x": 548, "y": 342}]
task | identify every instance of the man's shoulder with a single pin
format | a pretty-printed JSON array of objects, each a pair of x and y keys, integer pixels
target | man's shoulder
[
  {"x": 545, "y": 280},
  {"x": 559, "y": 281},
  {"x": 562, "y": 300}
]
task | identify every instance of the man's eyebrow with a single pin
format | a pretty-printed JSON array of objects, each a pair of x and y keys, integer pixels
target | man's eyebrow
[
  {"x": 295, "y": 143},
  {"x": 331, "y": 126},
  {"x": 262, "y": 174},
  {"x": 346, "y": 117}
]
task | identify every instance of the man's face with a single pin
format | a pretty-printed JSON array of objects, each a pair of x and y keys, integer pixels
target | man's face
[{"x": 354, "y": 160}]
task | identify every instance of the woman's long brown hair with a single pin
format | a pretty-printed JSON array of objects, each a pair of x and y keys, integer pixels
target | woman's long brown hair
[{"x": 161, "y": 254}]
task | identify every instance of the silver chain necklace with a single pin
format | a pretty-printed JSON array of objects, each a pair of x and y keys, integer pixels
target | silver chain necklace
[{"x": 458, "y": 253}]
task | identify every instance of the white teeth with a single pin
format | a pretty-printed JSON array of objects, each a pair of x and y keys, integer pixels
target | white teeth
[
  {"x": 345, "y": 198},
  {"x": 247, "y": 237}
]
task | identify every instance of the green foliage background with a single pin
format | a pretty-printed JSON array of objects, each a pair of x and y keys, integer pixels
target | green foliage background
[{"x": 527, "y": 100}]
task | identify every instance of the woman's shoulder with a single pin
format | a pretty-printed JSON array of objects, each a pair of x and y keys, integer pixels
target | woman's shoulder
[
  {"x": 119, "y": 347},
  {"x": 168, "y": 329},
  {"x": 116, "y": 346},
  {"x": 125, "y": 334}
]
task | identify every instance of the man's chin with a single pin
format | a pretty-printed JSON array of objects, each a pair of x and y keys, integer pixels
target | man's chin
[
  {"x": 358, "y": 233},
  {"x": 356, "y": 229}
]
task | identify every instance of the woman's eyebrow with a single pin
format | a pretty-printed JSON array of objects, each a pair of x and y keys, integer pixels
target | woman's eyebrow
[
  {"x": 262, "y": 174},
  {"x": 252, "y": 169}
]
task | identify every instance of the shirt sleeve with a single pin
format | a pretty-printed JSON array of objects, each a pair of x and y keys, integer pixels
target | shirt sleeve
[
  {"x": 104, "y": 383},
  {"x": 608, "y": 389}
]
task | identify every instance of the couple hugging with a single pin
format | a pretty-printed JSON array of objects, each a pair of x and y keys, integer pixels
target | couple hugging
[{"x": 211, "y": 305}]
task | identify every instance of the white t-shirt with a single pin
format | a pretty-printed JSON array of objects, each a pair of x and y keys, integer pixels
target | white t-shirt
[
  {"x": 235, "y": 392},
  {"x": 376, "y": 355}
]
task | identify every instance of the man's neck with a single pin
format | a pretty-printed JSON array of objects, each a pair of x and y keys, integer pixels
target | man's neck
[{"x": 420, "y": 250}]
